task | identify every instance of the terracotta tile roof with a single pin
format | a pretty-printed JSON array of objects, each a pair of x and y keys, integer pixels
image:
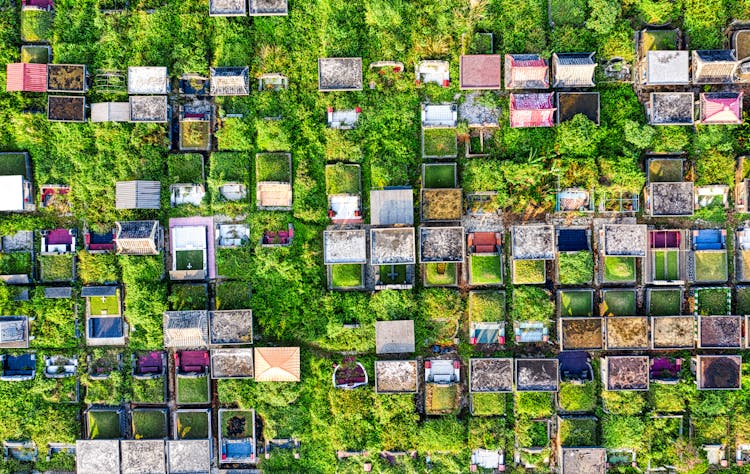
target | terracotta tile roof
[
  {"x": 277, "y": 364},
  {"x": 26, "y": 77}
]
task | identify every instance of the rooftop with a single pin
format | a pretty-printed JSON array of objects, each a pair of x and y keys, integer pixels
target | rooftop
[
  {"x": 138, "y": 195},
  {"x": 719, "y": 372},
  {"x": 25, "y": 77},
  {"x": 721, "y": 108},
  {"x": 533, "y": 242},
  {"x": 268, "y": 7},
  {"x": 274, "y": 195},
  {"x": 339, "y": 74},
  {"x": 538, "y": 375},
  {"x": 188, "y": 456},
  {"x": 143, "y": 456},
  {"x": 63, "y": 108},
  {"x": 672, "y": 199},
  {"x": 110, "y": 112},
  {"x": 480, "y": 71},
  {"x": 66, "y": 78},
  {"x": 230, "y": 81},
  {"x": 442, "y": 204},
  {"x": 532, "y": 110},
  {"x": 441, "y": 244},
  {"x": 227, "y": 7},
  {"x": 491, "y": 375},
  {"x": 345, "y": 246},
  {"x": 148, "y": 80},
  {"x": 667, "y": 68},
  {"x": 714, "y": 66},
  {"x": 671, "y": 108},
  {"x": 232, "y": 326},
  {"x": 394, "y": 337},
  {"x": 277, "y": 364},
  {"x": 396, "y": 376},
  {"x": 147, "y": 108},
  {"x": 392, "y": 246},
  {"x": 185, "y": 328},
  {"x": 232, "y": 363},
  {"x": 570, "y": 104},
  {"x": 392, "y": 206},
  {"x": 526, "y": 71},
  {"x": 584, "y": 461},
  {"x": 14, "y": 331},
  {"x": 625, "y": 240},
  {"x": 627, "y": 372},
  {"x": 97, "y": 456},
  {"x": 573, "y": 70}
]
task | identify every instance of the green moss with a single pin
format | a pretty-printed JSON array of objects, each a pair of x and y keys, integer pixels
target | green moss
[
  {"x": 192, "y": 390},
  {"x": 577, "y": 397},
  {"x": 346, "y": 276},
  {"x": 272, "y": 167}
]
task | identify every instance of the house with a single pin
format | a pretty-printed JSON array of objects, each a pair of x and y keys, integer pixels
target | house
[
  {"x": 583, "y": 460},
  {"x": 339, "y": 74},
  {"x": 439, "y": 115},
  {"x": 670, "y": 108},
  {"x": 441, "y": 245},
  {"x": 149, "y": 108},
  {"x": 110, "y": 112},
  {"x": 17, "y": 368},
  {"x": 148, "y": 365},
  {"x": 526, "y": 71},
  {"x": 234, "y": 363},
  {"x": 236, "y": 444},
  {"x": 273, "y": 82},
  {"x": 625, "y": 373},
  {"x": 573, "y": 70},
  {"x": 227, "y": 7},
  {"x": 104, "y": 323},
  {"x": 537, "y": 375},
  {"x": 138, "y": 195},
  {"x": 66, "y": 108},
  {"x": 58, "y": 241},
  {"x": 16, "y": 188},
  {"x": 228, "y": 81},
  {"x": 188, "y": 456},
  {"x": 70, "y": 78},
  {"x": 392, "y": 252},
  {"x": 714, "y": 66},
  {"x": 268, "y": 7},
  {"x": 231, "y": 327},
  {"x": 345, "y": 250},
  {"x": 142, "y": 456},
  {"x": 14, "y": 332},
  {"x": 570, "y": 104},
  {"x": 187, "y": 329},
  {"x": 432, "y": 71},
  {"x": 99, "y": 242},
  {"x": 532, "y": 110},
  {"x": 273, "y": 190},
  {"x": 491, "y": 375},
  {"x": 192, "y": 251},
  {"x": 396, "y": 376},
  {"x": 666, "y": 68},
  {"x": 719, "y": 372},
  {"x": 26, "y": 77},
  {"x": 480, "y": 72},
  {"x": 147, "y": 80},
  {"x": 277, "y": 364},
  {"x": 394, "y": 337},
  {"x": 720, "y": 108},
  {"x": 342, "y": 119},
  {"x": 138, "y": 237},
  {"x": 97, "y": 456}
]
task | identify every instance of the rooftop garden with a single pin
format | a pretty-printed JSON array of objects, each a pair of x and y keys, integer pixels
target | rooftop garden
[
  {"x": 272, "y": 167},
  {"x": 439, "y": 143},
  {"x": 710, "y": 301},
  {"x": 55, "y": 268}
]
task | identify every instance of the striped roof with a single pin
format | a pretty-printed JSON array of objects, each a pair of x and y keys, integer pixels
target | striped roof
[
  {"x": 721, "y": 108},
  {"x": 138, "y": 195},
  {"x": 277, "y": 364},
  {"x": 26, "y": 77},
  {"x": 525, "y": 71},
  {"x": 531, "y": 110}
]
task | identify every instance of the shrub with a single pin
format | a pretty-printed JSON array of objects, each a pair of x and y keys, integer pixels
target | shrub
[
  {"x": 531, "y": 303},
  {"x": 576, "y": 268}
]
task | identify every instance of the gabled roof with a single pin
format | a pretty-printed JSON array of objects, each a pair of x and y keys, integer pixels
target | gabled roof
[
  {"x": 344, "y": 246},
  {"x": 667, "y": 68},
  {"x": 394, "y": 337},
  {"x": 573, "y": 69},
  {"x": 714, "y": 66},
  {"x": 230, "y": 81},
  {"x": 97, "y": 456},
  {"x": 526, "y": 71},
  {"x": 137, "y": 237},
  {"x": 532, "y": 110},
  {"x": 138, "y": 195},
  {"x": 480, "y": 71},
  {"x": 671, "y": 108},
  {"x": 110, "y": 112},
  {"x": 147, "y": 80},
  {"x": 277, "y": 364},
  {"x": 26, "y": 77},
  {"x": 185, "y": 328},
  {"x": 720, "y": 108}
]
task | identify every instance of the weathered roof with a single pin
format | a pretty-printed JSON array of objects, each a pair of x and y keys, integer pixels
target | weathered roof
[
  {"x": 143, "y": 456},
  {"x": 64, "y": 108},
  {"x": 26, "y": 77},
  {"x": 480, "y": 71},
  {"x": 532, "y": 110},
  {"x": 718, "y": 108},
  {"x": 667, "y": 68},
  {"x": 97, "y": 456},
  {"x": 584, "y": 461},
  {"x": 12, "y": 193},
  {"x": 394, "y": 337},
  {"x": 625, "y": 240},
  {"x": 230, "y": 80},
  {"x": 52, "y": 292},
  {"x": 232, "y": 363},
  {"x": 441, "y": 244},
  {"x": 277, "y": 364},
  {"x": 66, "y": 78},
  {"x": 570, "y": 104},
  {"x": 626, "y": 372},
  {"x": 340, "y": 74},
  {"x": 89, "y": 291},
  {"x": 672, "y": 199},
  {"x": 491, "y": 374},
  {"x": 533, "y": 242},
  {"x": 392, "y": 246},
  {"x": 714, "y": 66},
  {"x": 14, "y": 331},
  {"x": 148, "y": 108},
  {"x": 147, "y": 80},
  {"x": 227, "y": 7},
  {"x": 526, "y": 71},
  {"x": 268, "y": 7},
  {"x": 537, "y": 375},
  {"x": 185, "y": 328},
  {"x": 138, "y": 194},
  {"x": 344, "y": 246},
  {"x": 394, "y": 376},
  {"x": 671, "y": 108},
  {"x": 271, "y": 194},
  {"x": 392, "y": 206},
  {"x": 110, "y": 112},
  {"x": 191, "y": 456},
  {"x": 476, "y": 113},
  {"x": 135, "y": 229},
  {"x": 231, "y": 326},
  {"x": 573, "y": 69}
]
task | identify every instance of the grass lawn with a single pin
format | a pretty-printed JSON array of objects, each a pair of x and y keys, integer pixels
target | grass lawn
[
  {"x": 103, "y": 424},
  {"x": 439, "y": 176},
  {"x": 577, "y": 397},
  {"x": 342, "y": 179},
  {"x": 576, "y": 268},
  {"x": 618, "y": 303},
  {"x": 36, "y": 26},
  {"x": 619, "y": 269},
  {"x": 273, "y": 167},
  {"x": 578, "y": 432},
  {"x": 487, "y": 305},
  {"x": 393, "y": 274},
  {"x": 188, "y": 297},
  {"x": 245, "y": 415},
  {"x": 711, "y": 266},
  {"x": 529, "y": 272},
  {"x": 577, "y": 303},
  {"x": 192, "y": 425},
  {"x": 56, "y": 267},
  {"x": 232, "y": 295},
  {"x": 742, "y": 300},
  {"x": 440, "y": 142},
  {"x": 148, "y": 390},
  {"x": 346, "y": 276},
  {"x": 272, "y": 136},
  {"x": 488, "y": 404},
  {"x": 441, "y": 399},
  {"x": 189, "y": 259},
  {"x": 15, "y": 263},
  {"x": 656, "y": 40},
  {"x": 486, "y": 270},
  {"x": 568, "y": 12},
  {"x": 434, "y": 277},
  {"x": 149, "y": 424},
  {"x": 192, "y": 390},
  {"x": 665, "y": 171},
  {"x": 12, "y": 164},
  {"x": 104, "y": 305},
  {"x": 185, "y": 168},
  {"x": 665, "y": 302},
  {"x": 666, "y": 264},
  {"x": 713, "y": 301}
]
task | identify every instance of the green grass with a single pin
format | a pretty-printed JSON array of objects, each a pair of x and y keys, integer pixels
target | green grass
[
  {"x": 241, "y": 414},
  {"x": 439, "y": 176},
  {"x": 195, "y": 134},
  {"x": 97, "y": 269},
  {"x": 618, "y": 303},
  {"x": 667, "y": 398},
  {"x": 576, "y": 268},
  {"x": 342, "y": 179},
  {"x": 529, "y": 272},
  {"x": 666, "y": 264},
  {"x": 225, "y": 167},
  {"x": 346, "y": 276},
  {"x": 189, "y": 259},
  {"x": 487, "y": 305},
  {"x": 711, "y": 266},
  {"x": 440, "y": 142},
  {"x": 35, "y": 54},
  {"x": 188, "y": 297},
  {"x": 434, "y": 277},
  {"x": 488, "y": 404},
  {"x": 56, "y": 267},
  {"x": 624, "y": 402},
  {"x": 742, "y": 300},
  {"x": 192, "y": 390},
  {"x": 665, "y": 303},
  {"x": 712, "y": 301},
  {"x": 185, "y": 168},
  {"x": 393, "y": 274},
  {"x": 104, "y": 424},
  {"x": 12, "y": 164},
  {"x": 532, "y": 434},
  {"x": 619, "y": 269},
  {"x": 272, "y": 167},
  {"x": 486, "y": 270},
  {"x": 577, "y": 303},
  {"x": 577, "y": 397},
  {"x": 15, "y": 263},
  {"x": 36, "y": 26},
  {"x": 232, "y": 295},
  {"x": 534, "y": 404},
  {"x": 192, "y": 425},
  {"x": 148, "y": 390},
  {"x": 660, "y": 40},
  {"x": 665, "y": 171},
  {"x": 578, "y": 432},
  {"x": 272, "y": 136},
  {"x": 149, "y": 424},
  {"x": 104, "y": 305},
  {"x": 441, "y": 399}
]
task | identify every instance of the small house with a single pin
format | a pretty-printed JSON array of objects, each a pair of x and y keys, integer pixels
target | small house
[
  {"x": 537, "y": 375},
  {"x": 344, "y": 188},
  {"x": 625, "y": 373},
  {"x": 666, "y": 68},
  {"x": 228, "y": 81},
  {"x": 227, "y": 7},
  {"x": 234, "y": 363},
  {"x": 26, "y": 77},
  {"x": 188, "y": 329},
  {"x": 104, "y": 323},
  {"x": 439, "y": 115},
  {"x": 573, "y": 70},
  {"x": 570, "y": 104},
  {"x": 670, "y": 108},
  {"x": 66, "y": 78},
  {"x": 532, "y": 110},
  {"x": 719, "y": 372},
  {"x": 138, "y": 237},
  {"x": 480, "y": 72},
  {"x": 138, "y": 195},
  {"x": 339, "y": 74},
  {"x": 58, "y": 241},
  {"x": 526, "y": 71},
  {"x": 273, "y": 82},
  {"x": 236, "y": 436},
  {"x": 721, "y": 108},
  {"x": 442, "y": 386},
  {"x": 277, "y": 364},
  {"x": 583, "y": 460},
  {"x": 396, "y": 376},
  {"x": 342, "y": 119},
  {"x": 491, "y": 375},
  {"x": 148, "y": 108},
  {"x": 391, "y": 206},
  {"x": 231, "y": 327},
  {"x": 268, "y": 7},
  {"x": 110, "y": 112},
  {"x": 187, "y": 456},
  {"x": 140, "y": 456},
  {"x": 626, "y": 333},
  {"x": 394, "y": 337},
  {"x": 714, "y": 66},
  {"x": 186, "y": 193},
  {"x": 230, "y": 234},
  {"x": 195, "y": 126},
  {"x": 16, "y": 188},
  {"x": 14, "y": 332},
  {"x": 64, "y": 108},
  {"x": 432, "y": 72},
  {"x": 97, "y": 456},
  {"x": 345, "y": 253},
  {"x": 99, "y": 242},
  {"x": 149, "y": 365},
  {"x": 192, "y": 248},
  {"x": 147, "y": 80},
  {"x": 17, "y": 368}
]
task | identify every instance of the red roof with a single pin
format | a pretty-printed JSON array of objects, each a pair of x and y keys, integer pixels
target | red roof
[
  {"x": 721, "y": 108},
  {"x": 26, "y": 77},
  {"x": 480, "y": 71},
  {"x": 531, "y": 110}
]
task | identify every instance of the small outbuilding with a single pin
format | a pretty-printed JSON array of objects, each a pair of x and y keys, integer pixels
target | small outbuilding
[
  {"x": 339, "y": 74},
  {"x": 69, "y": 78},
  {"x": 231, "y": 326},
  {"x": 392, "y": 206},
  {"x": 721, "y": 108},
  {"x": 719, "y": 372},
  {"x": 480, "y": 72},
  {"x": 186, "y": 329},
  {"x": 228, "y": 81},
  {"x": 392, "y": 246},
  {"x": 533, "y": 242},
  {"x": 526, "y": 71},
  {"x": 671, "y": 108},
  {"x": 583, "y": 461},
  {"x": 532, "y": 110},
  {"x": 138, "y": 195},
  {"x": 16, "y": 188},
  {"x": 227, "y": 7},
  {"x": 573, "y": 70},
  {"x": 491, "y": 375},
  {"x": 432, "y": 71},
  {"x": 138, "y": 237},
  {"x": 268, "y": 8},
  {"x": 97, "y": 456},
  {"x": 441, "y": 244},
  {"x": 666, "y": 68},
  {"x": 345, "y": 246},
  {"x": 14, "y": 332},
  {"x": 396, "y": 376},
  {"x": 147, "y": 108},
  {"x": 64, "y": 108},
  {"x": 277, "y": 364},
  {"x": 148, "y": 80},
  {"x": 188, "y": 456},
  {"x": 715, "y": 66},
  {"x": 625, "y": 240},
  {"x": 670, "y": 199},
  {"x": 537, "y": 375},
  {"x": 142, "y": 456},
  {"x": 26, "y": 77},
  {"x": 234, "y": 363},
  {"x": 394, "y": 337},
  {"x": 110, "y": 112}
]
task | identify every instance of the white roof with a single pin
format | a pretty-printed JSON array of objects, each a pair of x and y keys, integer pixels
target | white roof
[
  {"x": 11, "y": 193},
  {"x": 668, "y": 67},
  {"x": 189, "y": 237},
  {"x": 110, "y": 112},
  {"x": 147, "y": 80}
]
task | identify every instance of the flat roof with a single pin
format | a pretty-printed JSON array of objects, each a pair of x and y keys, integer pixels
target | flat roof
[
  {"x": 345, "y": 246},
  {"x": 64, "y": 108},
  {"x": 671, "y": 108},
  {"x": 340, "y": 74},
  {"x": 392, "y": 206},
  {"x": 672, "y": 199},
  {"x": 227, "y": 7},
  {"x": 441, "y": 244},
  {"x": 537, "y": 375},
  {"x": 392, "y": 246},
  {"x": 394, "y": 337},
  {"x": 187, "y": 456},
  {"x": 480, "y": 71},
  {"x": 148, "y": 108},
  {"x": 232, "y": 363},
  {"x": 625, "y": 240},
  {"x": 143, "y": 456},
  {"x": 185, "y": 328},
  {"x": 584, "y": 460},
  {"x": 396, "y": 376},
  {"x": 231, "y": 326},
  {"x": 491, "y": 375},
  {"x": 627, "y": 372},
  {"x": 570, "y": 104},
  {"x": 97, "y": 456},
  {"x": 147, "y": 80},
  {"x": 667, "y": 67},
  {"x": 11, "y": 193},
  {"x": 533, "y": 242}
]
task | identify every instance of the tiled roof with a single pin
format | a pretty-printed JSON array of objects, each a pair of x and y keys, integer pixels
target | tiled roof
[
  {"x": 480, "y": 71},
  {"x": 532, "y": 110},
  {"x": 26, "y": 77},
  {"x": 277, "y": 364},
  {"x": 721, "y": 107},
  {"x": 525, "y": 71},
  {"x": 573, "y": 70}
]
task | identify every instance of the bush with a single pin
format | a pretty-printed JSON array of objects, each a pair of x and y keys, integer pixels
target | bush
[
  {"x": 575, "y": 397},
  {"x": 533, "y": 404},
  {"x": 576, "y": 268},
  {"x": 98, "y": 268},
  {"x": 531, "y": 303}
]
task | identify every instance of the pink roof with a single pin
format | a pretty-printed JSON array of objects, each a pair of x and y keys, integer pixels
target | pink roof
[
  {"x": 721, "y": 108},
  {"x": 26, "y": 77},
  {"x": 45, "y": 4},
  {"x": 480, "y": 71},
  {"x": 525, "y": 71},
  {"x": 531, "y": 110}
]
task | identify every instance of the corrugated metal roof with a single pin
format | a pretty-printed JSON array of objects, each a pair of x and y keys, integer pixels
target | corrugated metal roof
[
  {"x": 138, "y": 195},
  {"x": 89, "y": 291},
  {"x": 573, "y": 69},
  {"x": 26, "y": 77}
]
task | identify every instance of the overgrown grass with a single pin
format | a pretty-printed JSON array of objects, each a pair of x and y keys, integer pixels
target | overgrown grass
[
  {"x": 232, "y": 295},
  {"x": 578, "y": 432},
  {"x": 148, "y": 390},
  {"x": 619, "y": 269},
  {"x": 272, "y": 167},
  {"x": 17, "y": 263},
  {"x": 487, "y": 305},
  {"x": 346, "y": 276},
  {"x": 665, "y": 302},
  {"x": 55, "y": 268},
  {"x": 440, "y": 142},
  {"x": 192, "y": 425},
  {"x": 488, "y": 404},
  {"x": 104, "y": 425},
  {"x": 342, "y": 179},
  {"x": 576, "y": 303},
  {"x": 713, "y": 301},
  {"x": 528, "y": 272},
  {"x": 439, "y": 176},
  {"x": 192, "y": 390},
  {"x": 36, "y": 26},
  {"x": 440, "y": 274},
  {"x": 710, "y": 266},
  {"x": 576, "y": 268},
  {"x": 185, "y": 168},
  {"x": 578, "y": 397},
  {"x": 98, "y": 268}
]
